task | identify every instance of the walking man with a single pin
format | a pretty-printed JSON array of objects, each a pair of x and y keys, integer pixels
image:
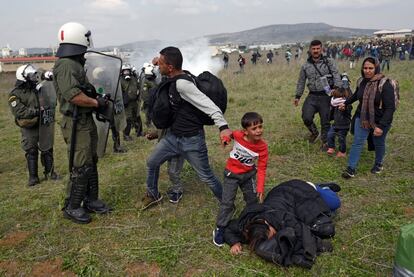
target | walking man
[{"x": 322, "y": 76}]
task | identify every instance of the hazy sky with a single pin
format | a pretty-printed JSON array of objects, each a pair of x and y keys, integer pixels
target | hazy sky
[{"x": 27, "y": 23}]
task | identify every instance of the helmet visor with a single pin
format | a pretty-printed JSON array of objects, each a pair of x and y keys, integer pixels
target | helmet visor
[{"x": 30, "y": 73}]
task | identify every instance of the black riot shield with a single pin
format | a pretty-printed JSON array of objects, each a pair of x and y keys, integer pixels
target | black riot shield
[
  {"x": 103, "y": 73},
  {"x": 47, "y": 100}
]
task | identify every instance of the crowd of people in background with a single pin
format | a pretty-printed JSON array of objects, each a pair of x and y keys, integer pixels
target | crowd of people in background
[{"x": 384, "y": 50}]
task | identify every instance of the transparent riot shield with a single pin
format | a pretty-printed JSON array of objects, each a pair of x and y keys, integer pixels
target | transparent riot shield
[
  {"x": 47, "y": 100},
  {"x": 103, "y": 73}
]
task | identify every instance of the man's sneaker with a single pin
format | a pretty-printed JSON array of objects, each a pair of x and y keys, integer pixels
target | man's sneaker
[
  {"x": 218, "y": 236},
  {"x": 341, "y": 154},
  {"x": 175, "y": 197},
  {"x": 348, "y": 173},
  {"x": 377, "y": 168},
  {"x": 330, "y": 151},
  {"x": 313, "y": 137},
  {"x": 149, "y": 200}
]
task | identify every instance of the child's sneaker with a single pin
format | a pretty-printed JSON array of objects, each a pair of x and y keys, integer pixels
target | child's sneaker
[
  {"x": 331, "y": 151},
  {"x": 218, "y": 236},
  {"x": 341, "y": 154}
]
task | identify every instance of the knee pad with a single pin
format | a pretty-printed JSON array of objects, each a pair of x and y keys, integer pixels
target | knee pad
[
  {"x": 32, "y": 151},
  {"x": 82, "y": 171}
]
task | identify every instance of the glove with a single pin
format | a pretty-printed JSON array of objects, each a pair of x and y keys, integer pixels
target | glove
[{"x": 102, "y": 102}]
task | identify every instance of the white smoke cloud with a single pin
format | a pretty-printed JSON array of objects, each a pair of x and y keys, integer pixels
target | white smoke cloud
[{"x": 196, "y": 55}]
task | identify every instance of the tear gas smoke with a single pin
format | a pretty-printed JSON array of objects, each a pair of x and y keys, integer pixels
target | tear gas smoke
[{"x": 196, "y": 54}]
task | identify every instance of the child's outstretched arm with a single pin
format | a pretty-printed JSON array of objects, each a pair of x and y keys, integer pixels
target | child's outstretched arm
[
  {"x": 261, "y": 172},
  {"x": 260, "y": 196}
]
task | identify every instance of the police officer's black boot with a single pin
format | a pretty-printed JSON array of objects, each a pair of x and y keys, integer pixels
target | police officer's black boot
[
  {"x": 92, "y": 204},
  {"x": 117, "y": 143},
  {"x": 32, "y": 159},
  {"x": 79, "y": 184},
  {"x": 46, "y": 158}
]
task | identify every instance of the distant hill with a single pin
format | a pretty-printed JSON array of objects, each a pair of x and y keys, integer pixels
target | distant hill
[{"x": 287, "y": 33}]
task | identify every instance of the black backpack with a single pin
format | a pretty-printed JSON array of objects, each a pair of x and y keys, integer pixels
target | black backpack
[
  {"x": 214, "y": 88},
  {"x": 165, "y": 100}
]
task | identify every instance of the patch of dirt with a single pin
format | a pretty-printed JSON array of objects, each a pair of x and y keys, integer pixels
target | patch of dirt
[
  {"x": 9, "y": 268},
  {"x": 14, "y": 238},
  {"x": 143, "y": 269},
  {"x": 409, "y": 212},
  {"x": 193, "y": 272},
  {"x": 52, "y": 268}
]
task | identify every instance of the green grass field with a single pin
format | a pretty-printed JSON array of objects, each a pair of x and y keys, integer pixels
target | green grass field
[{"x": 175, "y": 240}]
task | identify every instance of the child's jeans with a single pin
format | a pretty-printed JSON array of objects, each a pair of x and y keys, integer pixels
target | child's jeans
[
  {"x": 232, "y": 181},
  {"x": 341, "y": 134}
]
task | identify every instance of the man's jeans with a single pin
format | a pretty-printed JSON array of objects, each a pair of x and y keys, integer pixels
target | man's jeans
[
  {"x": 341, "y": 134},
  {"x": 175, "y": 166},
  {"x": 360, "y": 137},
  {"x": 193, "y": 149}
]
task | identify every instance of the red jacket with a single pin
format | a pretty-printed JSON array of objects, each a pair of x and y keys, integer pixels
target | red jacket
[{"x": 244, "y": 155}]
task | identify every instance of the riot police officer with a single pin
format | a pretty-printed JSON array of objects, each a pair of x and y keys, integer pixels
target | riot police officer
[
  {"x": 35, "y": 120},
  {"x": 77, "y": 102},
  {"x": 48, "y": 102},
  {"x": 147, "y": 81},
  {"x": 130, "y": 93}
]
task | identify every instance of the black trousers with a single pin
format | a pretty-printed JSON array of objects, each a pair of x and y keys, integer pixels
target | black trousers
[{"x": 317, "y": 104}]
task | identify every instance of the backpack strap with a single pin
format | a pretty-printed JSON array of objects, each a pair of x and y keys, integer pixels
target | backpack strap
[
  {"x": 326, "y": 62},
  {"x": 382, "y": 83}
]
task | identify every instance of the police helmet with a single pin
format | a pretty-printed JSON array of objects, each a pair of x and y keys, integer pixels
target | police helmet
[
  {"x": 126, "y": 69},
  {"x": 26, "y": 73},
  {"x": 74, "y": 39}
]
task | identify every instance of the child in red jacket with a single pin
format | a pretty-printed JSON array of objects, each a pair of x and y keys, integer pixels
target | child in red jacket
[{"x": 241, "y": 171}]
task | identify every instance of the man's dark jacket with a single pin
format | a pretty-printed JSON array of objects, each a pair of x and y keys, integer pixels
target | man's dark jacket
[{"x": 300, "y": 217}]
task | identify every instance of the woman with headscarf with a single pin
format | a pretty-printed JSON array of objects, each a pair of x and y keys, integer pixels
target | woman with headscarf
[{"x": 373, "y": 115}]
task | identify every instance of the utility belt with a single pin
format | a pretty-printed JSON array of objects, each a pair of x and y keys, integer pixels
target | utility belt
[{"x": 318, "y": 93}]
